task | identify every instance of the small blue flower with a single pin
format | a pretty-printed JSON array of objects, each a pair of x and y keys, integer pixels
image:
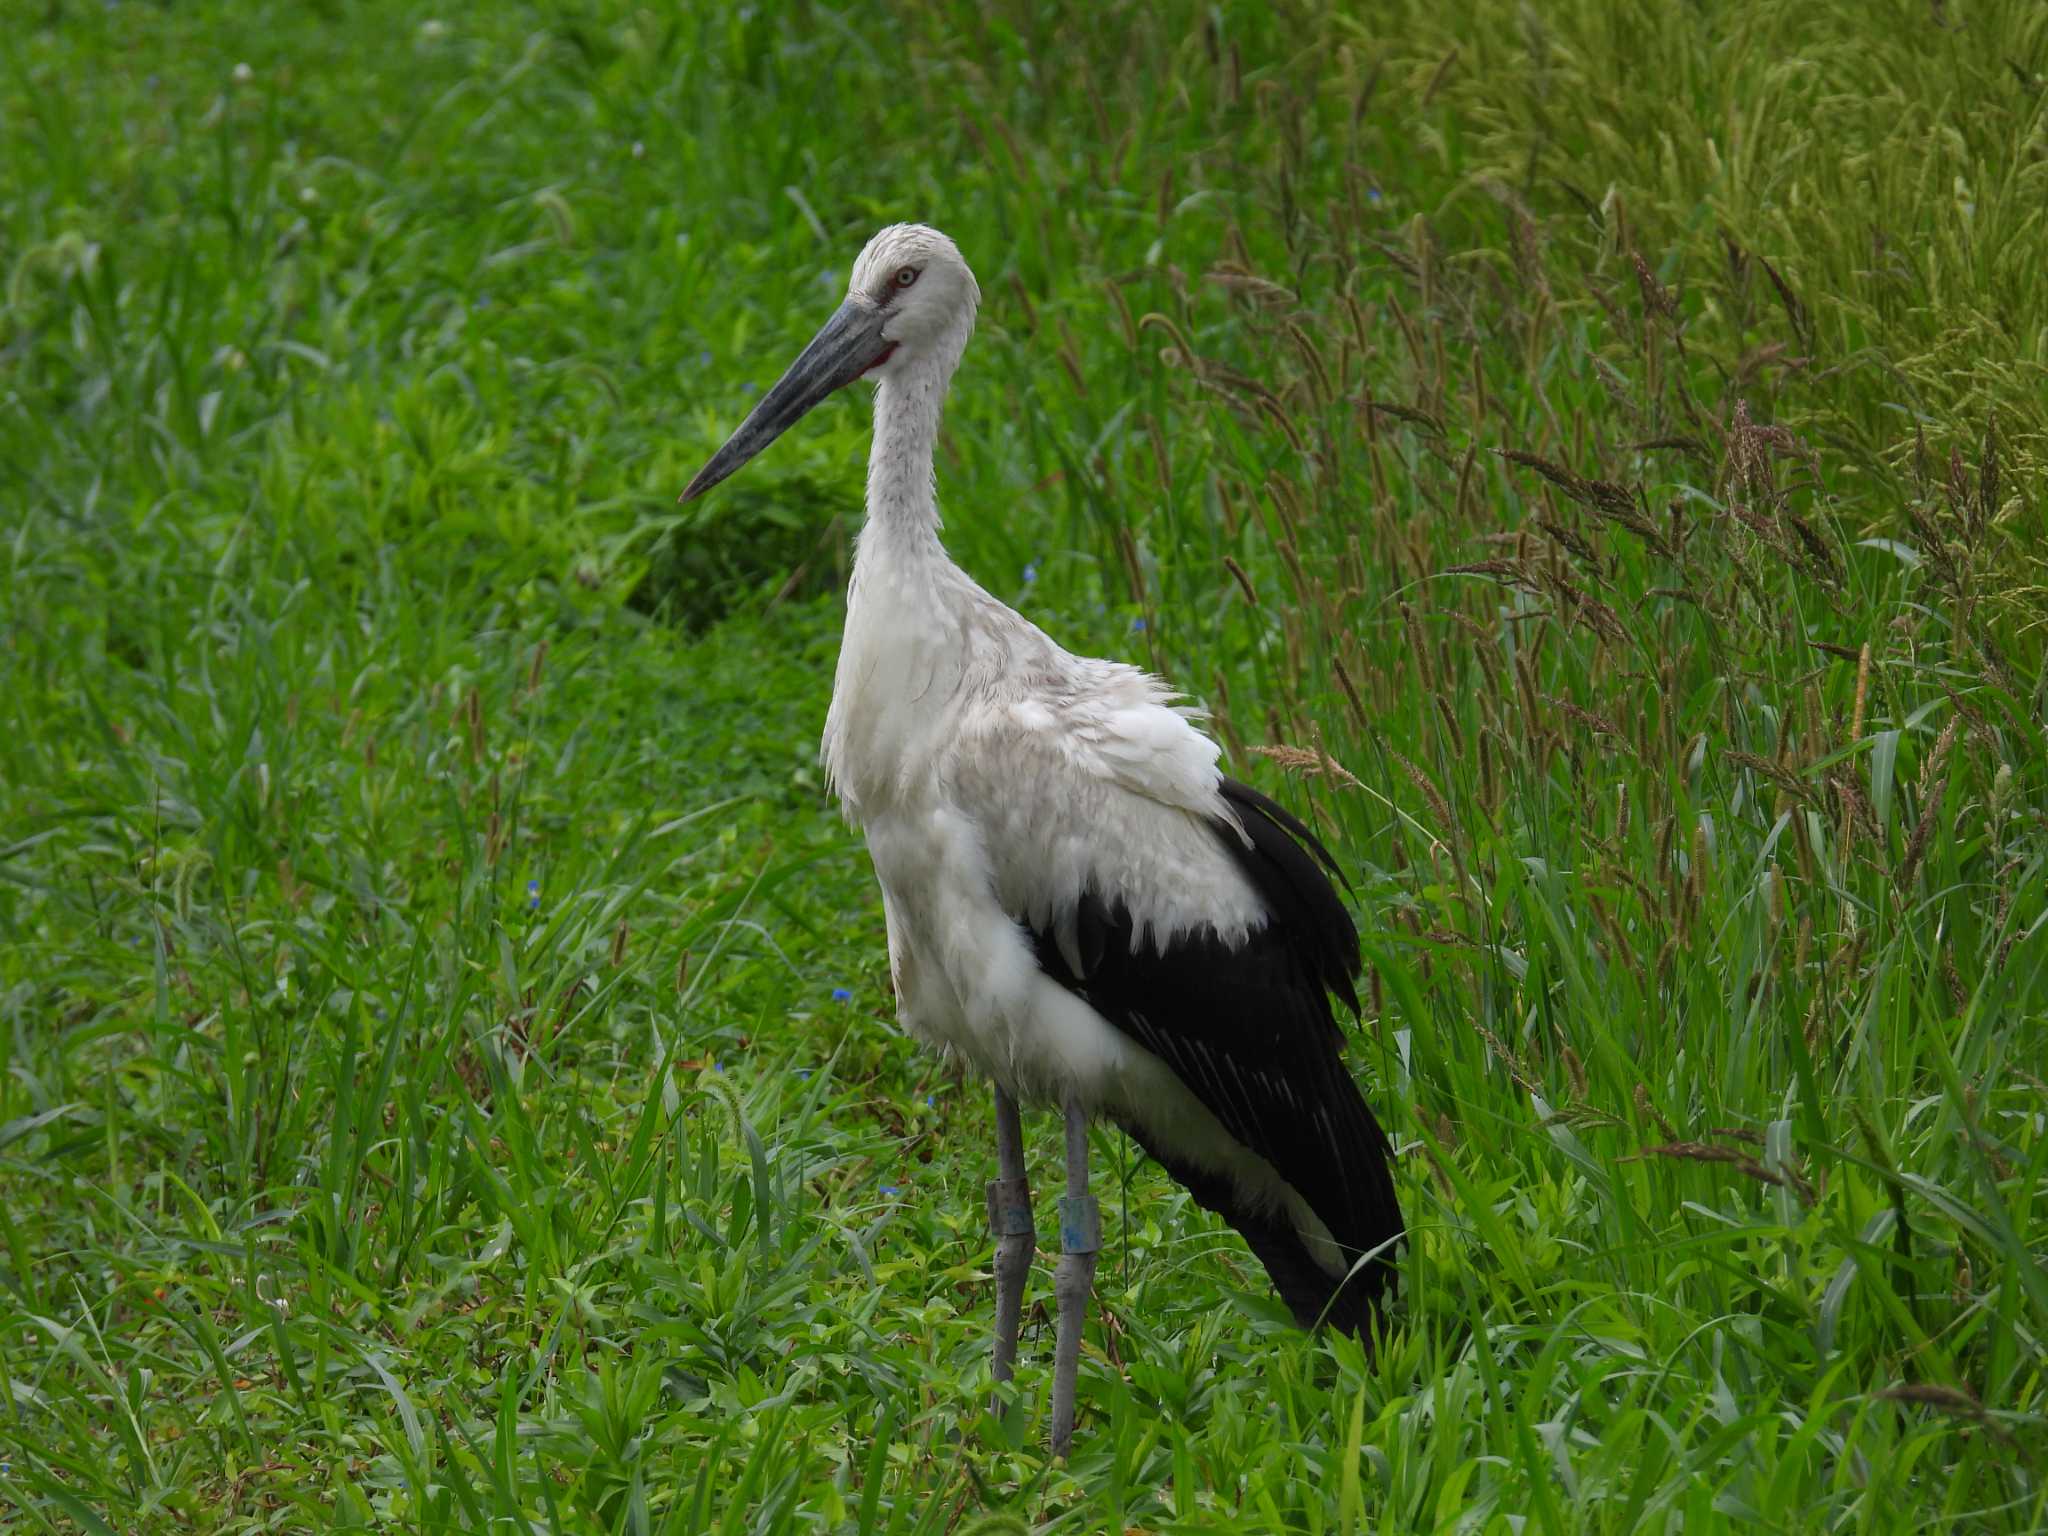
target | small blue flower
[
  {"x": 1372, "y": 194},
  {"x": 718, "y": 1066},
  {"x": 804, "y": 1073},
  {"x": 928, "y": 1101},
  {"x": 533, "y": 895},
  {"x": 1030, "y": 573},
  {"x": 841, "y": 995},
  {"x": 1137, "y": 626},
  {"x": 892, "y": 1189}
]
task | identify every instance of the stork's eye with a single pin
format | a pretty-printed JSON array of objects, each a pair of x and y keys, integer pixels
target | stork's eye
[{"x": 905, "y": 276}]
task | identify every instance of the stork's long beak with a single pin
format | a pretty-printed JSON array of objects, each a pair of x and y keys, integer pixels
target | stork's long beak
[{"x": 847, "y": 346}]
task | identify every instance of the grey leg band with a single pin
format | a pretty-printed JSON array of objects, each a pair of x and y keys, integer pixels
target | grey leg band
[
  {"x": 1009, "y": 1208},
  {"x": 1080, "y": 1224}
]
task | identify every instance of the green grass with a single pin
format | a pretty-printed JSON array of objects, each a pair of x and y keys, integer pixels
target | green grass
[{"x": 445, "y": 1072}]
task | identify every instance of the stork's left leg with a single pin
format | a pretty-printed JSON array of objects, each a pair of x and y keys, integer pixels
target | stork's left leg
[
  {"x": 1080, "y": 1237},
  {"x": 1009, "y": 1217}
]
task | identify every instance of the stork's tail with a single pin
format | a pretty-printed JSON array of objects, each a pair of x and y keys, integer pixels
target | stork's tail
[{"x": 1363, "y": 1221}]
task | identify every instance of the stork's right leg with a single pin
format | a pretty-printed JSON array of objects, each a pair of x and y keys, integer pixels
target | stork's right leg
[
  {"x": 1009, "y": 1217},
  {"x": 1074, "y": 1280}
]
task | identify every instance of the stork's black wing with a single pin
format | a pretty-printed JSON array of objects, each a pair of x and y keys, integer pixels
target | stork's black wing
[{"x": 1249, "y": 1029}]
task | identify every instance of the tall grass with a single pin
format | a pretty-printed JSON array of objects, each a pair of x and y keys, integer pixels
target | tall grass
[{"x": 1589, "y": 459}]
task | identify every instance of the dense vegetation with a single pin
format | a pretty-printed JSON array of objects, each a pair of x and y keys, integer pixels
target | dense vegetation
[{"x": 1589, "y": 457}]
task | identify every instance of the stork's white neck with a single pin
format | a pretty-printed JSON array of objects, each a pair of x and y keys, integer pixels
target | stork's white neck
[{"x": 903, "y": 503}]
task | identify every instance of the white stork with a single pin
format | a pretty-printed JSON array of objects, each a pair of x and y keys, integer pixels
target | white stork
[{"x": 1079, "y": 905}]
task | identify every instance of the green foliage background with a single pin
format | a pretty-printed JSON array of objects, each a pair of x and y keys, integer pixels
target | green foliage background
[{"x": 1587, "y": 456}]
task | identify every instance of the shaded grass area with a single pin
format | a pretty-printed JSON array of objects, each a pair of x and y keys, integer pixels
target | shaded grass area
[{"x": 429, "y": 1101}]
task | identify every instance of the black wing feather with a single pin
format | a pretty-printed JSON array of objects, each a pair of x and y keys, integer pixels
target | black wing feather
[
  {"x": 1297, "y": 893},
  {"x": 1250, "y": 1031}
]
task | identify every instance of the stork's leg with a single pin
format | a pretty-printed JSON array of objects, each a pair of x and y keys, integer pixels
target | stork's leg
[
  {"x": 1080, "y": 1237},
  {"x": 1009, "y": 1218}
]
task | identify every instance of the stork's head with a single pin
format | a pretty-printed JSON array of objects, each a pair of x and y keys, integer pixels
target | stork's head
[{"x": 908, "y": 313}]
